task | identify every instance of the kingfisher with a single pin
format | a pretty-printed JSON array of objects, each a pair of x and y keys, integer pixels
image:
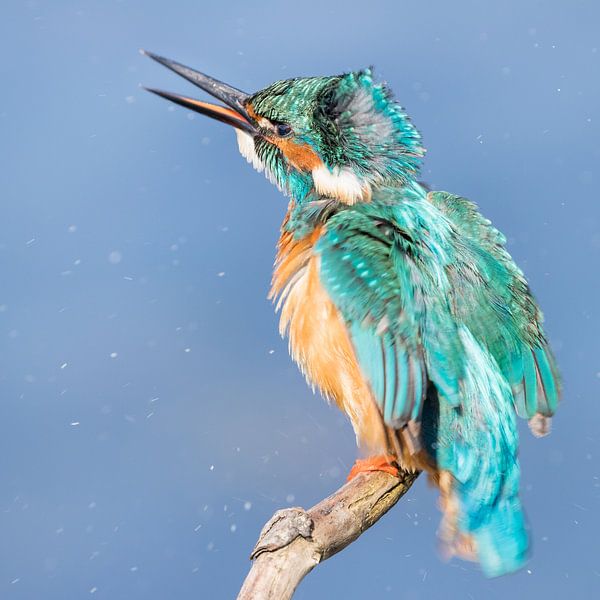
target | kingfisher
[{"x": 401, "y": 304}]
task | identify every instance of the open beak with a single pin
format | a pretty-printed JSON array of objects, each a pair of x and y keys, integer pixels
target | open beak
[{"x": 234, "y": 113}]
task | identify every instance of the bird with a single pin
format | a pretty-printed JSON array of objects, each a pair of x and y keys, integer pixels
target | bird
[{"x": 401, "y": 304}]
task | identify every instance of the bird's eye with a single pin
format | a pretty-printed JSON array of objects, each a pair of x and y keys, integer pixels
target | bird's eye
[{"x": 283, "y": 129}]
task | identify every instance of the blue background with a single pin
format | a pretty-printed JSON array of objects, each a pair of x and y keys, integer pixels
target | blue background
[{"x": 150, "y": 418}]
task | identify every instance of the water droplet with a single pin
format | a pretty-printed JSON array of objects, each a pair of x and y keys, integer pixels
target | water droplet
[{"x": 115, "y": 257}]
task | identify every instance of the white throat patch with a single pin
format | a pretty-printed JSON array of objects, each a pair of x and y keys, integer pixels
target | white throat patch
[
  {"x": 246, "y": 146},
  {"x": 341, "y": 183}
]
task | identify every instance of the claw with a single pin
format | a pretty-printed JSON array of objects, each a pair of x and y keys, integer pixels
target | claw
[{"x": 386, "y": 463}]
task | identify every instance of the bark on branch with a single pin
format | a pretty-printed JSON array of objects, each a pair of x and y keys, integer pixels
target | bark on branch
[{"x": 295, "y": 541}]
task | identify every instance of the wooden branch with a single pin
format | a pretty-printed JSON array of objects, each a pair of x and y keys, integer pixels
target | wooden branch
[{"x": 295, "y": 541}]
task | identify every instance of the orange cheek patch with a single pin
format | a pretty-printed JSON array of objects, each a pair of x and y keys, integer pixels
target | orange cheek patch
[{"x": 301, "y": 156}]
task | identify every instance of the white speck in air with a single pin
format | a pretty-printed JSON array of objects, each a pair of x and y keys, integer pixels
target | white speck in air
[
  {"x": 290, "y": 498},
  {"x": 221, "y": 274},
  {"x": 115, "y": 257},
  {"x": 233, "y": 528},
  {"x": 64, "y": 365},
  {"x": 74, "y": 423},
  {"x": 247, "y": 505},
  {"x": 72, "y": 228},
  {"x": 113, "y": 355}
]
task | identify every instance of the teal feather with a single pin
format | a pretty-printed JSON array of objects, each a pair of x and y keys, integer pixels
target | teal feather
[
  {"x": 529, "y": 383},
  {"x": 548, "y": 376}
]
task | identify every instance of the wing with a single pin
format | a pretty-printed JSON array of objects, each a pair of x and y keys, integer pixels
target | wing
[
  {"x": 493, "y": 299},
  {"x": 369, "y": 267}
]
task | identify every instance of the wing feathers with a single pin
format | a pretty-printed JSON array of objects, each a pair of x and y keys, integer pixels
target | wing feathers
[
  {"x": 537, "y": 384},
  {"x": 548, "y": 380}
]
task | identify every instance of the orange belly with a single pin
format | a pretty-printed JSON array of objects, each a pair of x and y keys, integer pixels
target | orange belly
[{"x": 319, "y": 341}]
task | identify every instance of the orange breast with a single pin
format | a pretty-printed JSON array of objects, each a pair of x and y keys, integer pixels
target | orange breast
[{"x": 319, "y": 340}]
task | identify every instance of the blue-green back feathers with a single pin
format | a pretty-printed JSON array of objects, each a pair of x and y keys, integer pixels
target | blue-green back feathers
[
  {"x": 429, "y": 294},
  {"x": 494, "y": 300},
  {"x": 372, "y": 268}
]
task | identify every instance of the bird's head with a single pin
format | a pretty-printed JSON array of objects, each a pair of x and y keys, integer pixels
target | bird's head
[{"x": 338, "y": 136}]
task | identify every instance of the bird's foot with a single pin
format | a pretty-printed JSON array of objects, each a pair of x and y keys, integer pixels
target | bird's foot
[
  {"x": 384, "y": 462},
  {"x": 282, "y": 529}
]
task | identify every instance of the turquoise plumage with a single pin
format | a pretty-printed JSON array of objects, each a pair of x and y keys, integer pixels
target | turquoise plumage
[
  {"x": 401, "y": 304},
  {"x": 447, "y": 303}
]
